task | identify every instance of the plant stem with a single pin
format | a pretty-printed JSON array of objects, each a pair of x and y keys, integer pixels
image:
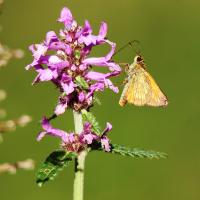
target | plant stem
[{"x": 79, "y": 162}]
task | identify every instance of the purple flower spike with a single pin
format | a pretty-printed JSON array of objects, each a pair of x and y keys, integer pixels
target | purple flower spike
[
  {"x": 75, "y": 142},
  {"x": 60, "y": 59},
  {"x": 64, "y": 57}
]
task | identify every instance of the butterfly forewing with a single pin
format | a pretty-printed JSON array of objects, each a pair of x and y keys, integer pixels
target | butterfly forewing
[
  {"x": 141, "y": 89},
  {"x": 156, "y": 98}
]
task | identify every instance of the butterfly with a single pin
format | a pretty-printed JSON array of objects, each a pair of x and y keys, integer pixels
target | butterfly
[{"x": 140, "y": 88}]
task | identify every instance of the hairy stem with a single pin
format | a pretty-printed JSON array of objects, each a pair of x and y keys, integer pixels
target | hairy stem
[{"x": 79, "y": 162}]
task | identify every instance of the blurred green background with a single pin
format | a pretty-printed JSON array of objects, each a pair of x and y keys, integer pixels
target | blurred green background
[{"x": 169, "y": 32}]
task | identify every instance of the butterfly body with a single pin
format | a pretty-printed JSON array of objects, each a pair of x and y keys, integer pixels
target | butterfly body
[{"x": 140, "y": 88}]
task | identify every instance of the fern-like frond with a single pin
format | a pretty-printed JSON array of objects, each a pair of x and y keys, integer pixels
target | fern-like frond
[
  {"x": 136, "y": 152},
  {"x": 132, "y": 152}
]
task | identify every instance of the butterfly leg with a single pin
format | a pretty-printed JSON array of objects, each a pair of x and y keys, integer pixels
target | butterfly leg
[
  {"x": 125, "y": 66},
  {"x": 125, "y": 81}
]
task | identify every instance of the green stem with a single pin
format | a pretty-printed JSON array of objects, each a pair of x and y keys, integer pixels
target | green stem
[{"x": 79, "y": 162}]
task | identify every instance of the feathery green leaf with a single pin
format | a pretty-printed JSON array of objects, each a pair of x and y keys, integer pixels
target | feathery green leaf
[
  {"x": 136, "y": 153},
  {"x": 132, "y": 152},
  {"x": 54, "y": 163},
  {"x": 97, "y": 100}
]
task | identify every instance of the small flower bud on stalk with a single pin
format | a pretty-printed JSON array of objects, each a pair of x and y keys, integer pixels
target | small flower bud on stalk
[
  {"x": 6, "y": 54},
  {"x": 13, "y": 167},
  {"x": 10, "y": 125},
  {"x": 2, "y": 95}
]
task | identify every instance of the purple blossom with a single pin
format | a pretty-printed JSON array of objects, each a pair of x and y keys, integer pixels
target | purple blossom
[
  {"x": 103, "y": 78},
  {"x": 87, "y": 136},
  {"x": 64, "y": 59},
  {"x": 44, "y": 74},
  {"x": 67, "y": 84},
  {"x": 76, "y": 142},
  {"x": 87, "y": 38},
  {"x": 81, "y": 97},
  {"x": 61, "y": 58},
  {"x": 67, "y": 18},
  {"x": 107, "y": 129},
  {"x": 51, "y": 37},
  {"x": 49, "y": 130},
  {"x": 105, "y": 143},
  {"x": 62, "y": 105}
]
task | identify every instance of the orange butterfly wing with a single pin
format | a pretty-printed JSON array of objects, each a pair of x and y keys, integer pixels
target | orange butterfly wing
[{"x": 142, "y": 89}]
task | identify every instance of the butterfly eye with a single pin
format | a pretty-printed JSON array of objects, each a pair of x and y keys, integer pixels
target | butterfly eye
[{"x": 139, "y": 59}]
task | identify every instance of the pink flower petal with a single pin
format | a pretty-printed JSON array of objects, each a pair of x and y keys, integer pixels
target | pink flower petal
[
  {"x": 103, "y": 31},
  {"x": 66, "y": 17},
  {"x": 105, "y": 144}
]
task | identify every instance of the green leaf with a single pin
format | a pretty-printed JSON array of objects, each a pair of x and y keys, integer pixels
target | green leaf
[
  {"x": 136, "y": 153},
  {"x": 89, "y": 117},
  {"x": 77, "y": 54},
  {"x": 54, "y": 163},
  {"x": 132, "y": 152},
  {"x": 97, "y": 100},
  {"x": 81, "y": 82}
]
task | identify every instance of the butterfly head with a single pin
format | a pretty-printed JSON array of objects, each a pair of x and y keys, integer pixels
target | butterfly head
[{"x": 138, "y": 59}]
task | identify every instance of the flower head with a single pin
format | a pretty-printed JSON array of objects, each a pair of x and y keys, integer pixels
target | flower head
[
  {"x": 64, "y": 57},
  {"x": 76, "y": 142}
]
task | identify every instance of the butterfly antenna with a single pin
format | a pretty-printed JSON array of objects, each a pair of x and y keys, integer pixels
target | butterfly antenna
[
  {"x": 136, "y": 46},
  {"x": 130, "y": 44}
]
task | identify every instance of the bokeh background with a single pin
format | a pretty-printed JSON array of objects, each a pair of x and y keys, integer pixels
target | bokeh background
[{"x": 169, "y": 32}]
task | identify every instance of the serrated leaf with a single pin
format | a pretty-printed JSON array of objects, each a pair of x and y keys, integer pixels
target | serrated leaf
[
  {"x": 132, "y": 152},
  {"x": 81, "y": 82},
  {"x": 54, "y": 163},
  {"x": 89, "y": 117},
  {"x": 136, "y": 152}
]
